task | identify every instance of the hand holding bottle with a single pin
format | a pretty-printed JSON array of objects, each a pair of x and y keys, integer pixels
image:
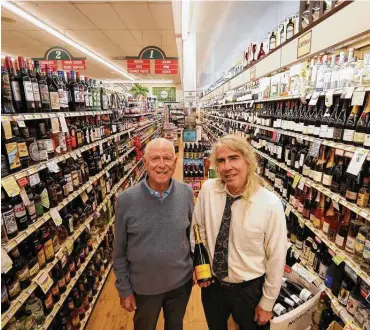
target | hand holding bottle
[
  {"x": 201, "y": 284},
  {"x": 261, "y": 316}
]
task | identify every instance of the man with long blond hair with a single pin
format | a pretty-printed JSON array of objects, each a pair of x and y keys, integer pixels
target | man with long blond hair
[{"x": 243, "y": 225}]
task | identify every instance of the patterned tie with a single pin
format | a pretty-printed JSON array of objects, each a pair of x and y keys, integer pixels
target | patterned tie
[{"x": 220, "y": 260}]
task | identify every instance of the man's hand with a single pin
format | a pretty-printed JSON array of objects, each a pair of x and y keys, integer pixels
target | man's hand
[
  {"x": 261, "y": 316},
  {"x": 201, "y": 284},
  {"x": 128, "y": 303}
]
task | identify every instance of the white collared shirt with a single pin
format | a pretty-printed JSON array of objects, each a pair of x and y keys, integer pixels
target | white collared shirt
[{"x": 257, "y": 238}]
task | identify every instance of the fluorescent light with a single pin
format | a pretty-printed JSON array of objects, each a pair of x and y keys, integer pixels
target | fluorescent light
[
  {"x": 35, "y": 21},
  {"x": 138, "y": 81},
  {"x": 185, "y": 15}
]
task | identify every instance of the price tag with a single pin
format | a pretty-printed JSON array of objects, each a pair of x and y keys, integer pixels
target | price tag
[
  {"x": 53, "y": 166},
  {"x": 78, "y": 153},
  {"x": 28, "y": 117},
  {"x": 349, "y": 92},
  {"x": 339, "y": 152},
  {"x": 351, "y": 325},
  {"x": 22, "y": 182},
  {"x": 329, "y": 98},
  {"x": 314, "y": 151},
  {"x": 56, "y": 216},
  {"x": 84, "y": 196},
  {"x": 337, "y": 260},
  {"x": 6, "y": 262},
  {"x": 358, "y": 98},
  {"x": 357, "y": 160},
  {"x": 296, "y": 180},
  {"x": 24, "y": 197},
  {"x": 11, "y": 187},
  {"x": 335, "y": 204},
  {"x": 301, "y": 184},
  {"x": 21, "y": 123},
  {"x": 55, "y": 128},
  {"x": 44, "y": 281},
  {"x": 63, "y": 123},
  {"x": 73, "y": 155},
  {"x": 7, "y": 130},
  {"x": 69, "y": 245},
  {"x": 288, "y": 210},
  {"x": 314, "y": 98},
  {"x": 34, "y": 179}
]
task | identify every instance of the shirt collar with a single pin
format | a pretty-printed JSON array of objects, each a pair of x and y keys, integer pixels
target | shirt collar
[
  {"x": 154, "y": 192},
  {"x": 222, "y": 188}
]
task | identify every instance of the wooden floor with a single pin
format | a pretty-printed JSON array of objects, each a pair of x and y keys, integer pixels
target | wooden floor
[{"x": 109, "y": 315}]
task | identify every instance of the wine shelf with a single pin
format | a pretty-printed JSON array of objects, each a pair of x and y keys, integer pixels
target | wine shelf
[
  {"x": 147, "y": 125},
  {"x": 48, "y": 115},
  {"x": 71, "y": 154},
  {"x": 363, "y": 212},
  {"x": 16, "y": 304},
  {"x": 92, "y": 304},
  {"x": 32, "y": 228},
  {"x": 348, "y": 149},
  {"x": 150, "y": 135},
  {"x": 74, "y": 280},
  {"x": 340, "y": 253},
  {"x": 134, "y": 115}
]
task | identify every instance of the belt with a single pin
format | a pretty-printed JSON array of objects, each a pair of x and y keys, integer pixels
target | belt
[{"x": 239, "y": 285}]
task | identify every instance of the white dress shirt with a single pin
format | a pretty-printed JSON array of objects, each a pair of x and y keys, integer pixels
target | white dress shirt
[{"x": 257, "y": 238}]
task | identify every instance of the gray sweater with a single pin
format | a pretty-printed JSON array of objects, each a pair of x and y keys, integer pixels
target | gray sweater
[{"x": 152, "y": 249}]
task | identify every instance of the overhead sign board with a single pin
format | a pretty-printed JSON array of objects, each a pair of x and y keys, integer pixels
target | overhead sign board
[{"x": 304, "y": 44}]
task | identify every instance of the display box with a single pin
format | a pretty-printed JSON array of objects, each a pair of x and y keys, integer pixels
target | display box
[{"x": 335, "y": 326}]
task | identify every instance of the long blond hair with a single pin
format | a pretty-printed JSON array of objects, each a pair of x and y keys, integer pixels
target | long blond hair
[{"x": 236, "y": 143}]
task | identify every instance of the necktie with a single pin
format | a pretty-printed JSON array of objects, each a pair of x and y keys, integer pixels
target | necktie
[{"x": 220, "y": 260}]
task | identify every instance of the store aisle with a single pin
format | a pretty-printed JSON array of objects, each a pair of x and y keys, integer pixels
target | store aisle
[{"x": 108, "y": 313}]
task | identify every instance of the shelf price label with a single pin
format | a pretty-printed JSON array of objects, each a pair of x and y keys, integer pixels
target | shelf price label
[
  {"x": 56, "y": 216},
  {"x": 44, "y": 281},
  {"x": 11, "y": 187},
  {"x": 358, "y": 98},
  {"x": 357, "y": 160},
  {"x": 297, "y": 178}
]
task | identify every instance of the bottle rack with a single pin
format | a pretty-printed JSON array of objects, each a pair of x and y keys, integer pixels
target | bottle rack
[{"x": 22, "y": 298}]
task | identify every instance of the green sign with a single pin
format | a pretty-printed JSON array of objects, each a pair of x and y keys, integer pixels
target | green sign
[
  {"x": 152, "y": 53},
  {"x": 165, "y": 94},
  {"x": 59, "y": 53}
]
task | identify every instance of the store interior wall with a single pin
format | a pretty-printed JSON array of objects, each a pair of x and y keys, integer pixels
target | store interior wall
[{"x": 224, "y": 30}]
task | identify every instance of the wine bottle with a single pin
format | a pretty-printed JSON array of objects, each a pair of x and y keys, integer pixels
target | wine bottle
[
  {"x": 353, "y": 230},
  {"x": 341, "y": 237},
  {"x": 340, "y": 122},
  {"x": 355, "y": 298},
  {"x": 6, "y": 93},
  {"x": 319, "y": 166},
  {"x": 328, "y": 172},
  {"x": 337, "y": 176},
  {"x": 25, "y": 83},
  {"x": 16, "y": 92},
  {"x": 364, "y": 193},
  {"x": 297, "y": 289},
  {"x": 291, "y": 296},
  {"x": 363, "y": 121},
  {"x": 201, "y": 259},
  {"x": 345, "y": 290},
  {"x": 353, "y": 186},
  {"x": 350, "y": 126},
  {"x": 319, "y": 212},
  {"x": 325, "y": 263},
  {"x": 332, "y": 120}
]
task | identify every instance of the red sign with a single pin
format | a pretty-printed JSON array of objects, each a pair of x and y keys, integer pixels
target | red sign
[
  {"x": 171, "y": 62},
  {"x": 74, "y": 65},
  {"x": 166, "y": 66},
  {"x": 53, "y": 65},
  {"x": 139, "y": 71},
  {"x": 165, "y": 71},
  {"x": 138, "y": 66},
  {"x": 133, "y": 61}
]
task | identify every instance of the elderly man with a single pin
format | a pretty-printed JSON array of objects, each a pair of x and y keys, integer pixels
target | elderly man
[
  {"x": 244, "y": 226},
  {"x": 152, "y": 259}
]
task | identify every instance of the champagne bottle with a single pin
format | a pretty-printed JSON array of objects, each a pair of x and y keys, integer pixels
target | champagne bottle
[
  {"x": 328, "y": 172},
  {"x": 201, "y": 259},
  {"x": 363, "y": 122},
  {"x": 350, "y": 126},
  {"x": 340, "y": 122}
]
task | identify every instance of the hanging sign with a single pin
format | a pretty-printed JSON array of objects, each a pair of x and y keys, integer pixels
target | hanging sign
[
  {"x": 59, "y": 58},
  {"x": 304, "y": 44},
  {"x": 142, "y": 64}
]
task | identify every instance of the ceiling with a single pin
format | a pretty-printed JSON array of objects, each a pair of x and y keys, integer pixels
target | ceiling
[
  {"x": 110, "y": 29},
  {"x": 224, "y": 29}
]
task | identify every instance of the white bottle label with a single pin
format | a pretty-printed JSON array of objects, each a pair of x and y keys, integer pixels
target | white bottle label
[
  {"x": 289, "y": 302},
  {"x": 301, "y": 160},
  {"x": 327, "y": 179},
  {"x": 279, "y": 309},
  {"x": 54, "y": 100},
  {"x": 352, "y": 305},
  {"x": 317, "y": 176},
  {"x": 305, "y": 129},
  {"x": 348, "y": 135},
  {"x": 322, "y": 271},
  {"x": 295, "y": 299},
  {"x": 36, "y": 91},
  {"x": 305, "y": 295},
  {"x": 325, "y": 227},
  {"x": 316, "y": 131},
  {"x": 16, "y": 91},
  {"x": 311, "y": 129},
  {"x": 28, "y": 91},
  {"x": 330, "y": 133},
  {"x": 367, "y": 140},
  {"x": 323, "y": 130},
  {"x": 339, "y": 240},
  {"x": 350, "y": 244},
  {"x": 306, "y": 170}
]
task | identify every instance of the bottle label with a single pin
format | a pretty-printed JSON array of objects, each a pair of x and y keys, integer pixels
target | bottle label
[
  {"x": 289, "y": 302},
  {"x": 322, "y": 271},
  {"x": 366, "y": 254},
  {"x": 327, "y": 179},
  {"x": 23, "y": 274},
  {"x": 61, "y": 98},
  {"x": 41, "y": 259},
  {"x": 316, "y": 131},
  {"x": 337, "y": 135},
  {"x": 367, "y": 140},
  {"x": 28, "y": 91},
  {"x": 285, "y": 192},
  {"x": 305, "y": 294},
  {"x": 22, "y": 149},
  {"x": 62, "y": 282},
  {"x": 323, "y": 131},
  {"x": 348, "y": 135},
  {"x": 9, "y": 221},
  {"x": 352, "y": 305},
  {"x": 325, "y": 227},
  {"x": 301, "y": 160},
  {"x": 299, "y": 244},
  {"x": 55, "y": 290},
  {"x": 350, "y": 244},
  {"x": 359, "y": 137},
  {"x": 31, "y": 209},
  {"x": 317, "y": 176},
  {"x": 305, "y": 129},
  {"x": 351, "y": 195},
  {"x": 36, "y": 91},
  {"x": 87, "y": 99},
  {"x": 339, "y": 241},
  {"x": 306, "y": 170},
  {"x": 316, "y": 222},
  {"x": 49, "y": 301},
  {"x": 14, "y": 288},
  {"x": 328, "y": 281},
  {"x": 54, "y": 100},
  {"x": 20, "y": 210},
  {"x": 295, "y": 299},
  {"x": 34, "y": 270},
  {"x": 13, "y": 155},
  {"x": 343, "y": 296},
  {"x": 330, "y": 132},
  {"x": 75, "y": 180},
  {"x": 49, "y": 249},
  {"x": 363, "y": 199},
  {"x": 44, "y": 91},
  {"x": 16, "y": 91}
]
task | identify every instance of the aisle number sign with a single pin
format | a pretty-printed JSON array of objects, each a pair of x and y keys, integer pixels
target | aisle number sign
[
  {"x": 304, "y": 44},
  {"x": 151, "y": 59}
]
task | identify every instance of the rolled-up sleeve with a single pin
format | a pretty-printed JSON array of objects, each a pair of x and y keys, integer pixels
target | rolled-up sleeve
[
  {"x": 275, "y": 248},
  {"x": 120, "y": 263}
]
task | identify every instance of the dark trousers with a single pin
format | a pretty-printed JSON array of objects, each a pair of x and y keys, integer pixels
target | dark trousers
[
  {"x": 240, "y": 301},
  {"x": 174, "y": 304}
]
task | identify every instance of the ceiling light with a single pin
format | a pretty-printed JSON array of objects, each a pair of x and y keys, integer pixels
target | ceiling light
[
  {"x": 138, "y": 81},
  {"x": 35, "y": 21}
]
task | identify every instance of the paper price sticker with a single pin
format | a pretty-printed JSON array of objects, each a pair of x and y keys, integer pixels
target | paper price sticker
[
  {"x": 357, "y": 160},
  {"x": 55, "y": 128},
  {"x": 288, "y": 210},
  {"x": 314, "y": 151},
  {"x": 24, "y": 197},
  {"x": 314, "y": 98},
  {"x": 337, "y": 260},
  {"x": 349, "y": 92},
  {"x": 301, "y": 184},
  {"x": 89, "y": 188},
  {"x": 296, "y": 180},
  {"x": 84, "y": 196},
  {"x": 22, "y": 182},
  {"x": 11, "y": 187},
  {"x": 329, "y": 98},
  {"x": 73, "y": 155},
  {"x": 44, "y": 281},
  {"x": 6, "y": 262},
  {"x": 21, "y": 123},
  {"x": 63, "y": 123},
  {"x": 53, "y": 166},
  {"x": 351, "y": 325},
  {"x": 358, "y": 98},
  {"x": 56, "y": 216}
]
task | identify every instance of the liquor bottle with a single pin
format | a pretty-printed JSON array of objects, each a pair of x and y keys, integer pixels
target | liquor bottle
[
  {"x": 20, "y": 212},
  {"x": 35, "y": 86},
  {"x": 360, "y": 241},
  {"x": 6, "y": 93},
  {"x": 74, "y": 103},
  {"x": 353, "y": 186},
  {"x": 325, "y": 263},
  {"x": 307, "y": 204},
  {"x": 16, "y": 92},
  {"x": 337, "y": 176},
  {"x": 43, "y": 86},
  {"x": 362, "y": 123},
  {"x": 201, "y": 259},
  {"x": 342, "y": 233},
  {"x": 8, "y": 216},
  {"x": 321, "y": 306},
  {"x": 353, "y": 230},
  {"x": 332, "y": 120},
  {"x": 272, "y": 41},
  {"x": 329, "y": 217},
  {"x": 345, "y": 290},
  {"x": 26, "y": 88},
  {"x": 350, "y": 126},
  {"x": 329, "y": 168},
  {"x": 364, "y": 193},
  {"x": 319, "y": 166},
  {"x": 34, "y": 305},
  {"x": 355, "y": 298},
  {"x": 21, "y": 268},
  {"x": 340, "y": 122},
  {"x": 319, "y": 211},
  {"x": 284, "y": 290},
  {"x": 73, "y": 313},
  {"x": 334, "y": 277},
  {"x": 62, "y": 91}
]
